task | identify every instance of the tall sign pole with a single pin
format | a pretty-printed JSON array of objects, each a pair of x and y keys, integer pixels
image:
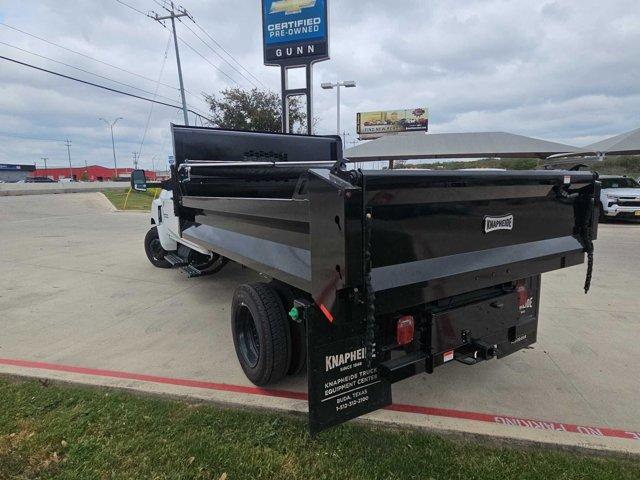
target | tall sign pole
[{"x": 295, "y": 35}]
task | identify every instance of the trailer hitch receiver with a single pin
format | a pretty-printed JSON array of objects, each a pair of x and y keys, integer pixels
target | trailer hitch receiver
[{"x": 485, "y": 350}]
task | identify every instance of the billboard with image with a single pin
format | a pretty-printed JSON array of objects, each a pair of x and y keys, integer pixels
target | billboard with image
[{"x": 372, "y": 125}]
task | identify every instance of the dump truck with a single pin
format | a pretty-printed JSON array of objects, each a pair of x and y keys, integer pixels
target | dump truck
[{"x": 370, "y": 276}]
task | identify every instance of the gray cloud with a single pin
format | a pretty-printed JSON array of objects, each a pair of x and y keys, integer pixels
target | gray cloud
[{"x": 566, "y": 71}]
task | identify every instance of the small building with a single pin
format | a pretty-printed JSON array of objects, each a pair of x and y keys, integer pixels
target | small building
[
  {"x": 10, "y": 172},
  {"x": 92, "y": 173}
]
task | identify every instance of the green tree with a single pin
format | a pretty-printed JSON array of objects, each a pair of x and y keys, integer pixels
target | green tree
[{"x": 257, "y": 110}]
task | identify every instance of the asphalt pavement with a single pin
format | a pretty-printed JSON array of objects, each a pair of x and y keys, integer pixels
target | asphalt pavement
[{"x": 79, "y": 301}]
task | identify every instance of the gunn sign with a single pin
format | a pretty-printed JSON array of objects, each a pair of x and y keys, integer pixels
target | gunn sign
[{"x": 295, "y": 32}]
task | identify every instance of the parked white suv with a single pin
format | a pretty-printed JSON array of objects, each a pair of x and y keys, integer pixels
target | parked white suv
[{"x": 620, "y": 197}]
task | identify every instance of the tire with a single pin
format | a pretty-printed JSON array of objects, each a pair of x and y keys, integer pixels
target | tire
[
  {"x": 297, "y": 330},
  {"x": 153, "y": 249},
  {"x": 260, "y": 332}
]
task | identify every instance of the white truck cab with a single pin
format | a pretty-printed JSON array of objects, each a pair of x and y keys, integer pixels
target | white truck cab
[{"x": 619, "y": 197}]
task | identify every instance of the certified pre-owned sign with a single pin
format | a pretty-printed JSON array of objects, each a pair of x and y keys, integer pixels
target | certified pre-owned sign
[
  {"x": 503, "y": 222},
  {"x": 294, "y": 31}
]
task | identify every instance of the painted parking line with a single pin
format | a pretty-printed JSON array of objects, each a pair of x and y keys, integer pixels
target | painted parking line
[
  {"x": 396, "y": 407},
  {"x": 96, "y": 372}
]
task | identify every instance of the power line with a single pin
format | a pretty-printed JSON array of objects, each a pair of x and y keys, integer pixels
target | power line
[
  {"x": 132, "y": 8},
  {"x": 220, "y": 56},
  {"x": 225, "y": 51},
  {"x": 184, "y": 41},
  {"x": 208, "y": 61},
  {"x": 83, "y": 70},
  {"x": 93, "y": 84},
  {"x": 14, "y": 135},
  {"x": 163, "y": 5},
  {"x": 86, "y": 56},
  {"x": 151, "y": 17},
  {"x": 146, "y": 128}
]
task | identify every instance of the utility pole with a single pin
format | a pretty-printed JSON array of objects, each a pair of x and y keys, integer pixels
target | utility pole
[
  {"x": 113, "y": 143},
  {"x": 68, "y": 144},
  {"x": 135, "y": 160},
  {"x": 181, "y": 12},
  {"x": 44, "y": 159}
]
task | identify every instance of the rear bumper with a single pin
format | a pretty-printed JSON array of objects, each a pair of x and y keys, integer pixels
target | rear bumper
[{"x": 490, "y": 328}]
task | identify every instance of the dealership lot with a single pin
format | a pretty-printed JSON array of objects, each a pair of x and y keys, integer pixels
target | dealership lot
[{"x": 76, "y": 290}]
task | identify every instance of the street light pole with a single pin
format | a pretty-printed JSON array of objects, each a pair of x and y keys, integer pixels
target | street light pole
[
  {"x": 113, "y": 143},
  {"x": 337, "y": 85}
]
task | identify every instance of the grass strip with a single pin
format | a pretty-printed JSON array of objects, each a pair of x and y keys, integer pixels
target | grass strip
[
  {"x": 62, "y": 432},
  {"x": 136, "y": 201}
]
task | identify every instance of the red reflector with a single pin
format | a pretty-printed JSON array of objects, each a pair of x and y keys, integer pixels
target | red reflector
[
  {"x": 404, "y": 330},
  {"x": 326, "y": 312},
  {"x": 447, "y": 356},
  {"x": 523, "y": 294}
]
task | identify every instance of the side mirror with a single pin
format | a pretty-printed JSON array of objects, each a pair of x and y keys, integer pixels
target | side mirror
[{"x": 139, "y": 180}]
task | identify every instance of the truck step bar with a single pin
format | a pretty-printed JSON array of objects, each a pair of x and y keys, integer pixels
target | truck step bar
[
  {"x": 175, "y": 260},
  {"x": 192, "y": 271}
]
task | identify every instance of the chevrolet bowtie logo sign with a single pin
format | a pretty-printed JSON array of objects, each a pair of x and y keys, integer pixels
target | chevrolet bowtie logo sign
[{"x": 291, "y": 6}]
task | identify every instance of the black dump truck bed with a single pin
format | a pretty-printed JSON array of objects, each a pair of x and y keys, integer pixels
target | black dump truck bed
[{"x": 365, "y": 250}]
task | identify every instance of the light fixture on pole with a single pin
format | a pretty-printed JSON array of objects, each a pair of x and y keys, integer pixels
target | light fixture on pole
[
  {"x": 113, "y": 143},
  {"x": 337, "y": 85}
]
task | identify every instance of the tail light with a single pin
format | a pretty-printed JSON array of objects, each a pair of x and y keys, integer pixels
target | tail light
[
  {"x": 523, "y": 294},
  {"x": 405, "y": 329}
]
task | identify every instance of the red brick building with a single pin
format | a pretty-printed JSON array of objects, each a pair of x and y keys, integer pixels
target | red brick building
[{"x": 94, "y": 173}]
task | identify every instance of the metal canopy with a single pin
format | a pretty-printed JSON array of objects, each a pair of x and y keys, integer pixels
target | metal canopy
[
  {"x": 624, "y": 144},
  {"x": 418, "y": 145}
]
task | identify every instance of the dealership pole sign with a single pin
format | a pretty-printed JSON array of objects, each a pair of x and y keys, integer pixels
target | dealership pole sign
[
  {"x": 295, "y": 32},
  {"x": 295, "y": 35}
]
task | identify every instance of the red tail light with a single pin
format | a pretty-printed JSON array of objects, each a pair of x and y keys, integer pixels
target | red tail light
[
  {"x": 523, "y": 294},
  {"x": 405, "y": 329}
]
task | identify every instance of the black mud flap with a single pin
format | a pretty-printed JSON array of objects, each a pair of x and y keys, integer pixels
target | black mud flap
[{"x": 341, "y": 385}]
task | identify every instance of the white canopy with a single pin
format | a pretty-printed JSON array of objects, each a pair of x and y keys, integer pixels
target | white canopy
[
  {"x": 419, "y": 145},
  {"x": 623, "y": 144}
]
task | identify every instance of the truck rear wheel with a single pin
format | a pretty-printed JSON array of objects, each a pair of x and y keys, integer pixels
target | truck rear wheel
[
  {"x": 260, "y": 333},
  {"x": 153, "y": 249},
  {"x": 296, "y": 329}
]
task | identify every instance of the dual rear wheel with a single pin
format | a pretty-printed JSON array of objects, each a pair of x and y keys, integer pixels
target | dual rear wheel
[{"x": 268, "y": 344}]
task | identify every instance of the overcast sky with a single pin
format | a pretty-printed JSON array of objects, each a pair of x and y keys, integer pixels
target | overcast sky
[{"x": 565, "y": 71}]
